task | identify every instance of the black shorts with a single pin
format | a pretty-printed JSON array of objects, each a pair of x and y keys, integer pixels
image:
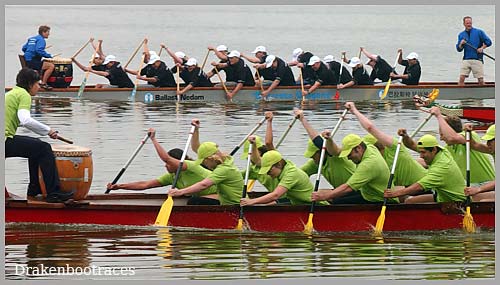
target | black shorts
[{"x": 35, "y": 64}]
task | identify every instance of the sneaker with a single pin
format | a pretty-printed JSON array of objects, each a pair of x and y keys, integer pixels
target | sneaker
[
  {"x": 45, "y": 86},
  {"x": 59, "y": 197}
]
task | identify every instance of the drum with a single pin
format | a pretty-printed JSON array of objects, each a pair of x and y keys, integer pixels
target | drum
[
  {"x": 62, "y": 75},
  {"x": 74, "y": 165}
]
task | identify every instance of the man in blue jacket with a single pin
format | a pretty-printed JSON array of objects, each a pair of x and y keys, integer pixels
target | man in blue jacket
[
  {"x": 472, "y": 41},
  {"x": 34, "y": 50}
]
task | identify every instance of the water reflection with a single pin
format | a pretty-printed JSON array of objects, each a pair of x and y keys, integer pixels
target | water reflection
[{"x": 179, "y": 254}]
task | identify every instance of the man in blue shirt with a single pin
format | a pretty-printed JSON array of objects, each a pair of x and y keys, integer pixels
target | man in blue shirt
[
  {"x": 473, "y": 56},
  {"x": 34, "y": 50}
]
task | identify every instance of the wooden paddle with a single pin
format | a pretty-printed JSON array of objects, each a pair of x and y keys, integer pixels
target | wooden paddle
[
  {"x": 141, "y": 144},
  {"x": 222, "y": 81},
  {"x": 290, "y": 125},
  {"x": 204, "y": 61},
  {"x": 309, "y": 227},
  {"x": 492, "y": 58},
  {"x": 260, "y": 81},
  {"x": 386, "y": 89},
  {"x": 84, "y": 82},
  {"x": 166, "y": 207},
  {"x": 245, "y": 186},
  {"x": 381, "y": 218},
  {"x": 79, "y": 51},
  {"x": 134, "y": 90},
  {"x": 302, "y": 84},
  {"x": 257, "y": 126},
  {"x": 178, "y": 83},
  {"x": 337, "y": 92},
  {"x": 468, "y": 222},
  {"x": 135, "y": 52}
]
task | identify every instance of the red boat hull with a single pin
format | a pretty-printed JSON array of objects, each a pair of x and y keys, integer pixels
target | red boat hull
[{"x": 338, "y": 218}]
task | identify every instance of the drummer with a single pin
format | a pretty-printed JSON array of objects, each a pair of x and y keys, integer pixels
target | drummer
[
  {"x": 34, "y": 50},
  {"x": 38, "y": 152}
]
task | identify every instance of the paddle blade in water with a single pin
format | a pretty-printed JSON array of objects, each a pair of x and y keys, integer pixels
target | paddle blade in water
[
  {"x": 308, "y": 229},
  {"x": 386, "y": 89},
  {"x": 468, "y": 223},
  {"x": 164, "y": 214},
  {"x": 337, "y": 95},
  {"x": 379, "y": 226},
  {"x": 239, "y": 227},
  {"x": 82, "y": 87}
]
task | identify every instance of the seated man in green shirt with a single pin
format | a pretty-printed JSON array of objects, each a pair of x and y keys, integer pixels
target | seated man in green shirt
[
  {"x": 189, "y": 175},
  {"x": 225, "y": 175},
  {"x": 337, "y": 170},
  {"x": 443, "y": 176},
  {"x": 408, "y": 170},
  {"x": 367, "y": 184},
  {"x": 292, "y": 181},
  {"x": 451, "y": 132}
]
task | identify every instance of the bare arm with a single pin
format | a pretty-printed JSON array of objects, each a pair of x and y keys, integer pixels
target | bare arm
[
  {"x": 162, "y": 153},
  {"x": 195, "y": 188},
  {"x": 449, "y": 135},
  {"x": 407, "y": 140},
  {"x": 268, "y": 198},
  {"x": 138, "y": 185},
  {"x": 309, "y": 129},
  {"x": 84, "y": 68},
  {"x": 252, "y": 59},
  {"x": 331, "y": 147},
  {"x": 368, "y": 55},
  {"x": 412, "y": 189},
  {"x": 172, "y": 54},
  {"x": 324, "y": 195},
  {"x": 269, "y": 131},
  {"x": 195, "y": 140},
  {"x": 369, "y": 126}
]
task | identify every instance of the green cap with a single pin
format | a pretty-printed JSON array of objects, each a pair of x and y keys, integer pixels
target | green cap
[
  {"x": 428, "y": 141},
  {"x": 490, "y": 134},
  {"x": 268, "y": 160},
  {"x": 258, "y": 142},
  {"x": 370, "y": 139},
  {"x": 205, "y": 150},
  {"x": 311, "y": 149},
  {"x": 348, "y": 143}
]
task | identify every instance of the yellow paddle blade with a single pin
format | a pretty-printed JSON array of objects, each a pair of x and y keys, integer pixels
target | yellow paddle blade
[
  {"x": 239, "y": 227},
  {"x": 308, "y": 229},
  {"x": 250, "y": 185},
  {"x": 164, "y": 214},
  {"x": 379, "y": 226},
  {"x": 468, "y": 223},
  {"x": 386, "y": 89}
]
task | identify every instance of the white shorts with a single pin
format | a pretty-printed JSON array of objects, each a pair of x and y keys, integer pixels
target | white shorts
[{"x": 473, "y": 65}]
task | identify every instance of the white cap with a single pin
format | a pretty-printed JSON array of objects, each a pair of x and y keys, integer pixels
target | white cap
[
  {"x": 412, "y": 55},
  {"x": 354, "y": 61},
  {"x": 191, "y": 61},
  {"x": 314, "y": 59},
  {"x": 234, "y": 53},
  {"x": 221, "y": 48},
  {"x": 152, "y": 52},
  {"x": 259, "y": 49},
  {"x": 328, "y": 58},
  {"x": 180, "y": 54},
  {"x": 109, "y": 58},
  {"x": 269, "y": 60},
  {"x": 153, "y": 58},
  {"x": 296, "y": 52}
]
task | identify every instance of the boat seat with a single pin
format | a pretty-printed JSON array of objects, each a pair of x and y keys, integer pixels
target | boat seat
[{"x": 22, "y": 60}]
